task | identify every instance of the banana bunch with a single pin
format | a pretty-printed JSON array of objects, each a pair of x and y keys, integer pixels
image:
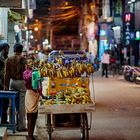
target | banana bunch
[
  {"x": 49, "y": 65},
  {"x": 68, "y": 91},
  {"x": 52, "y": 73},
  {"x": 68, "y": 99},
  {"x": 65, "y": 72},
  {"x": 60, "y": 95},
  {"x": 60, "y": 61},
  {"x": 59, "y": 74},
  {"x": 80, "y": 90},
  {"x": 81, "y": 68},
  {"x": 50, "y": 102},
  {"x": 41, "y": 63},
  {"x": 72, "y": 72},
  {"x": 77, "y": 98},
  {"x": 85, "y": 99},
  {"x": 89, "y": 68},
  {"x": 43, "y": 72}
]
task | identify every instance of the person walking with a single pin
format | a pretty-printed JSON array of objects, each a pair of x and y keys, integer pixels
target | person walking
[
  {"x": 31, "y": 100},
  {"x": 4, "y": 49},
  {"x": 105, "y": 63},
  {"x": 13, "y": 80}
]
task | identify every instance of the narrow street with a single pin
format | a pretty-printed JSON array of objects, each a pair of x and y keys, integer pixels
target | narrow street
[
  {"x": 46, "y": 48},
  {"x": 117, "y": 115},
  {"x": 117, "y": 110}
]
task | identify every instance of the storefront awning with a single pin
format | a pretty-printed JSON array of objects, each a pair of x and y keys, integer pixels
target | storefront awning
[{"x": 14, "y": 16}]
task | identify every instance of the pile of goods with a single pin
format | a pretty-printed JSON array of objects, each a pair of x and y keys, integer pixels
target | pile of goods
[
  {"x": 71, "y": 95},
  {"x": 59, "y": 70},
  {"x": 65, "y": 83}
]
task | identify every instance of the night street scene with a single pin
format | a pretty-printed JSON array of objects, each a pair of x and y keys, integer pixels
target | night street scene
[{"x": 69, "y": 70}]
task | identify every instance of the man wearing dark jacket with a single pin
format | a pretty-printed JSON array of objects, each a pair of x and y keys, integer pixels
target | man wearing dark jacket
[{"x": 4, "y": 49}]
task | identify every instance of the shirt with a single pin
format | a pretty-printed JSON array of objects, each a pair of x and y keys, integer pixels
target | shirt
[
  {"x": 14, "y": 67},
  {"x": 2, "y": 63},
  {"x": 27, "y": 76},
  {"x": 105, "y": 58}
]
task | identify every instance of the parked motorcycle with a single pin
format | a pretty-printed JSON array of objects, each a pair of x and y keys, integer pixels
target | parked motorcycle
[
  {"x": 128, "y": 73},
  {"x": 136, "y": 74},
  {"x": 132, "y": 74}
]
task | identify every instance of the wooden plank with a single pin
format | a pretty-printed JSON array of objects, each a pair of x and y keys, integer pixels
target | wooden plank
[
  {"x": 66, "y": 108},
  {"x": 11, "y": 3},
  {"x": 3, "y": 133}
]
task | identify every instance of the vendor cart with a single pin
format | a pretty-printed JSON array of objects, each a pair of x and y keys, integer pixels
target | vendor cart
[{"x": 69, "y": 90}]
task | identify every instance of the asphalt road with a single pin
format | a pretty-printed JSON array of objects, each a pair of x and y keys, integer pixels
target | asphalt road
[{"x": 117, "y": 115}]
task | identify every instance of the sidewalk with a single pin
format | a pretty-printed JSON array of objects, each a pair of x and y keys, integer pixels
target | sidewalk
[{"x": 116, "y": 116}]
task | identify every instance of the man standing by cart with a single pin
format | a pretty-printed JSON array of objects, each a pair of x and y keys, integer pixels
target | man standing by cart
[{"x": 13, "y": 80}]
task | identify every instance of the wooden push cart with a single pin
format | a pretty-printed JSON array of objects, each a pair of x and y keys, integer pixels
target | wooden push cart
[{"x": 82, "y": 110}]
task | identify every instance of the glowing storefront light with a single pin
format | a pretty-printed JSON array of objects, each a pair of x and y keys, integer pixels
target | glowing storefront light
[
  {"x": 36, "y": 28},
  {"x": 31, "y": 36}
]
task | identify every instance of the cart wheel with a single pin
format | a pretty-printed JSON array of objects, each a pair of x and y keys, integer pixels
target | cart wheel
[
  {"x": 84, "y": 127},
  {"x": 49, "y": 127}
]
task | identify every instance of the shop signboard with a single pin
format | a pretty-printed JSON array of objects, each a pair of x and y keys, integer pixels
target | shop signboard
[
  {"x": 118, "y": 8},
  {"x": 11, "y": 3},
  {"x": 128, "y": 28},
  {"x": 137, "y": 35}
]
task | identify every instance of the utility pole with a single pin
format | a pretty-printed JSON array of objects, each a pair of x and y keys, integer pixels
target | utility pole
[
  {"x": 132, "y": 9},
  {"x": 83, "y": 38}
]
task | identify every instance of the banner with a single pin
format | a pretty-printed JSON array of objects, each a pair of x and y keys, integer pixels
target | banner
[
  {"x": 128, "y": 28},
  {"x": 3, "y": 23},
  {"x": 117, "y": 8}
]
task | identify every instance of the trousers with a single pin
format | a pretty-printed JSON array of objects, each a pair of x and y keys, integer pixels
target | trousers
[{"x": 19, "y": 85}]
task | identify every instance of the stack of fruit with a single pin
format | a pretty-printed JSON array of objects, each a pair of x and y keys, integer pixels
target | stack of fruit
[
  {"x": 72, "y": 95},
  {"x": 58, "y": 70}
]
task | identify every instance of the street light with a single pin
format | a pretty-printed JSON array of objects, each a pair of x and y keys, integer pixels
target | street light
[
  {"x": 133, "y": 0},
  {"x": 36, "y": 28},
  {"x": 132, "y": 5}
]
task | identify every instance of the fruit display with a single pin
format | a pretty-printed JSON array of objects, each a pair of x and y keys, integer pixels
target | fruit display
[
  {"x": 77, "y": 96},
  {"x": 59, "y": 70},
  {"x": 66, "y": 83},
  {"x": 71, "y": 95}
]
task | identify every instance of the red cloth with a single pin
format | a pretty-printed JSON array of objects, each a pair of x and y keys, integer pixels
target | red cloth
[{"x": 112, "y": 60}]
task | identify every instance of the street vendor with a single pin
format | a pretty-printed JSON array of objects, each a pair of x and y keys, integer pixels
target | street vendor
[{"x": 31, "y": 99}]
